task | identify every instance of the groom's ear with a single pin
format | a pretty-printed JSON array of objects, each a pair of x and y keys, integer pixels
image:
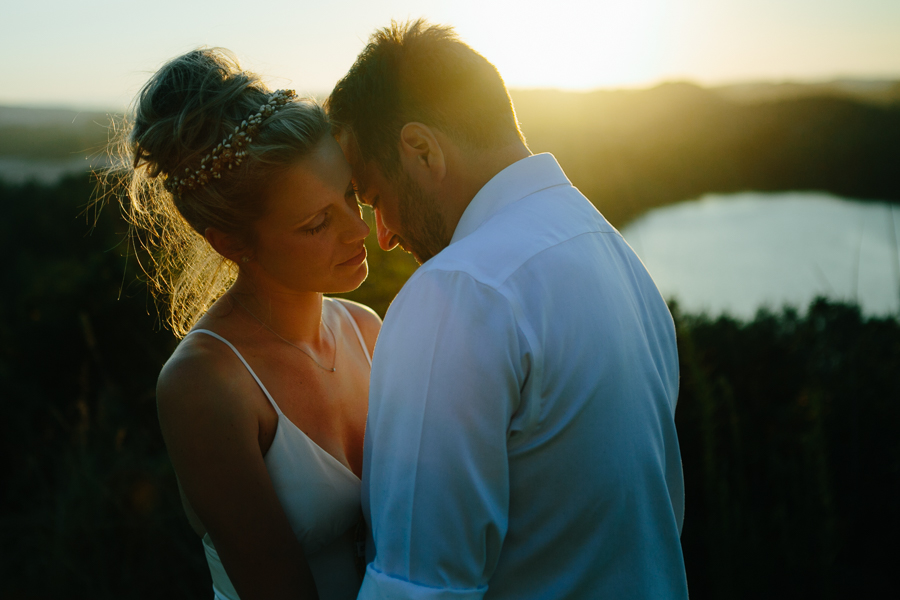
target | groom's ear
[{"x": 421, "y": 154}]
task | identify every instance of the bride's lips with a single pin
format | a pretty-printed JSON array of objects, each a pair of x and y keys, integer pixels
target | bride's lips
[{"x": 356, "y": 260}]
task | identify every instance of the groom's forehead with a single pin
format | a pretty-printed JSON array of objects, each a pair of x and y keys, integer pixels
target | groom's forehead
[
  {"x": 363, "y": 171},
  {"x": 350, "y": 147}
]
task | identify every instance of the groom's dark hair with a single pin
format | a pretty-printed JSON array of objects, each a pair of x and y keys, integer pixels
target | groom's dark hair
[{"x": 419, "y": 72}]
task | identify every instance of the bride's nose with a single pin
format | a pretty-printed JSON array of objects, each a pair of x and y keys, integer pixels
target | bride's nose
[{"x": 355, "y": 227}]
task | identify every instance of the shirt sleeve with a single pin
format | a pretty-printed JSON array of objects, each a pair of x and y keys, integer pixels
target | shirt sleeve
[{"x": 446, "y": 380}]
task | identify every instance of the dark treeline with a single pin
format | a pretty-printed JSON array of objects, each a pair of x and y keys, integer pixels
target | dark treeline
[{"x": 788, "y": 428}]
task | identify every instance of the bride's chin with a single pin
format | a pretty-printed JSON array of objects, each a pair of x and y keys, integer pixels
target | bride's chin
[{"x": 353, "y": 282}]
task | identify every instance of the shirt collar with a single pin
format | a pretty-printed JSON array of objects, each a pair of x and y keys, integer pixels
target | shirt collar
[{"x": 522, "y": 178}]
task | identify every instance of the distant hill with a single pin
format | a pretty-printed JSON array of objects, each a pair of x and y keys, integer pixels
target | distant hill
[
  {"x": 45, "y": 143},
  {"x": 48, "y": 134},
  {"x": 632, "y": 150},
  {"x": 627, "y": 150},
  {"x": 862, "y": 90},
  {"x": 47, "y": 117}
]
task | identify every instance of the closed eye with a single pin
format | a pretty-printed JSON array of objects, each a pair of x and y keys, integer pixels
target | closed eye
[{"x": 321, "y": 225}]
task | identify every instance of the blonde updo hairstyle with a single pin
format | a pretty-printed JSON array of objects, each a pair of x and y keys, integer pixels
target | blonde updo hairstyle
[{"x": 187, "y": 108}]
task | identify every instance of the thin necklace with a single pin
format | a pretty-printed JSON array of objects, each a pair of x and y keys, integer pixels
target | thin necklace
[{"x": 275, "y": 333}]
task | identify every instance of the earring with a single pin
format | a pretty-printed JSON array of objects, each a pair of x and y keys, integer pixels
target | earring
[{"x": 245, "y": 259}]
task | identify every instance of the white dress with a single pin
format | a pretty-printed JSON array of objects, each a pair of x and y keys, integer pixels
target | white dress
[{"x": 320, "y": 497}]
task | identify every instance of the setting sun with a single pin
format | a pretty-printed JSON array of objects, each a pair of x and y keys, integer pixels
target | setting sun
[
  {"x": 575, "y": 45},
  {"x": 566, "y": 44}
]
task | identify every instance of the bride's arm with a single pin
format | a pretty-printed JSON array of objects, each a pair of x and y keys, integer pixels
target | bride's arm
[{"x": 211, "y": 425}]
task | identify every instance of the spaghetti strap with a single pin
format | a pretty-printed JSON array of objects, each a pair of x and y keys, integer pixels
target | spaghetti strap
[
  {"x": 252, "y": 373},
  {"x": 359, "y": 336}
]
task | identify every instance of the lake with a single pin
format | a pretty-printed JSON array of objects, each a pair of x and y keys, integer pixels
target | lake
[{"x": 736, "y": 253}]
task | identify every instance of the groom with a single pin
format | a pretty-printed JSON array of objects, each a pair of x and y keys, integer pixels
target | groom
[{"x": 520, "y": 440}]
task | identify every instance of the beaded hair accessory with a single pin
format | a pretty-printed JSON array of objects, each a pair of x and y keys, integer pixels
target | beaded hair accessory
[{"x": 231, "y": 151}]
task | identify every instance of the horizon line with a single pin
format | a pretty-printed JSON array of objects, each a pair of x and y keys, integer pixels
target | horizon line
[{"x": 886, "y": 80}]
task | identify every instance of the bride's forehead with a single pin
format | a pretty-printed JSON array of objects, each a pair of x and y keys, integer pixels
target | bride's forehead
[
  {"x": 323, "y": 162},
  {"x": 311, "y": 183}
]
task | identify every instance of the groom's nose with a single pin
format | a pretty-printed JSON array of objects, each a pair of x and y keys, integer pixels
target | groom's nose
[{"x": 387, "y": 239}]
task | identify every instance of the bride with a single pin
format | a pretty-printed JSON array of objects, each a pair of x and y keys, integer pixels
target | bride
[{"x": 247, "y": 203}]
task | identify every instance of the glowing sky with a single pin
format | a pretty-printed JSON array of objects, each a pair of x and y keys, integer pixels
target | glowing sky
[{"x": 97, "y": 53}]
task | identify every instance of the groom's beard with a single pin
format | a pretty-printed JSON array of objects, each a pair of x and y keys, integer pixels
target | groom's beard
[{"x": 424, "y": 229}]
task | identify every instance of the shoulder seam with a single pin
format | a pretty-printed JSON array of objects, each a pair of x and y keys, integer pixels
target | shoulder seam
[{"x": 523, "y": 263}]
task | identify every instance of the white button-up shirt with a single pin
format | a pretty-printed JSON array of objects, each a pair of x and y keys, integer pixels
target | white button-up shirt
[{"x": 520, "y": 440}]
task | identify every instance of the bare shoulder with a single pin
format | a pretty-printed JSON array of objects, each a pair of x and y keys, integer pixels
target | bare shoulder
[
  {"x": 367, "y": 320},
  {"x": 202, "y": 380},
  {"x": 210, "y": 423}
]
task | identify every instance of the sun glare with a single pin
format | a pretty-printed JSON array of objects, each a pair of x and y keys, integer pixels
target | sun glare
[{"x": 581, "y": 44}]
